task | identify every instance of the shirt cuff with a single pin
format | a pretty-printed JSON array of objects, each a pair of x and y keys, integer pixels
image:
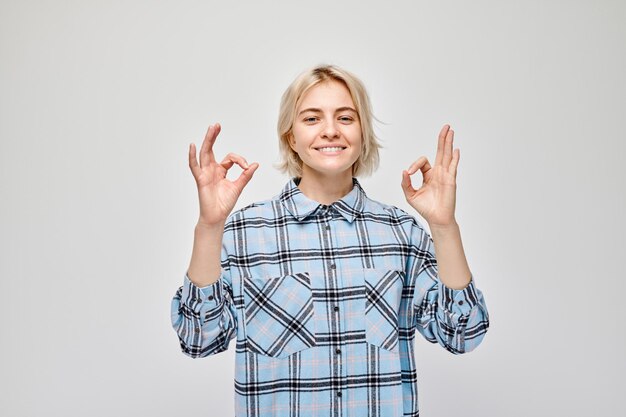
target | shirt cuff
[
  {"x": 202, "y": 298},
  {"x": 458, "y": 302}
]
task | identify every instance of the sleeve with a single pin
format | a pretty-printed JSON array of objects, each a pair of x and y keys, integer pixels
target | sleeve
[
  {"x": 456, "y": 319},
  {"x": 205, "y": 318}
]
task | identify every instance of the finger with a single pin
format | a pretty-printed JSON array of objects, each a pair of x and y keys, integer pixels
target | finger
[
  {"x": 421, "y": 164},
  {"x": 456, "y": 155},
  {"x": 206, "y": 151},
  {"x": 218, "y": 129},
  {"x": 246, "y": 176},
  {"x": 206, "y": 148},
  {"x": 205, "y": 143},
  {"x": 447, "y": 149},
  {"x": 407, "y": 187},
  {"x": 440, "y": 144},
  {"x": 231, "y": 159},
  {"x": 193, "y": 162}
]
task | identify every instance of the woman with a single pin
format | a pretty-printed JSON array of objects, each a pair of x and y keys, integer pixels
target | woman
[{"x": 322, "y": 287}]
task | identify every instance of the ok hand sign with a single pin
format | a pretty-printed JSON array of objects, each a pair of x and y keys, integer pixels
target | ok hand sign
[
  {"x": 435, "y": 199},
  {"x": 217, "y": 194}
]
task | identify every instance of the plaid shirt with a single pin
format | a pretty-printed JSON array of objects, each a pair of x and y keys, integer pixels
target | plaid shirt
[{"x": 324, "y": 302}]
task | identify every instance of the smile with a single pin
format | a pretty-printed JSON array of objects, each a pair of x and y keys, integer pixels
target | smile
[{"x": 331, "y": 149}]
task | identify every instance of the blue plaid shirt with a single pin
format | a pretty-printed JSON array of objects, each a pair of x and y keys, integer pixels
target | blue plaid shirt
[{"x": 323, "y": 302}]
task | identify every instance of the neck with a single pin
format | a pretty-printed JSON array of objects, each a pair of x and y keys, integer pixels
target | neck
[{"x": 325, "y": 189}]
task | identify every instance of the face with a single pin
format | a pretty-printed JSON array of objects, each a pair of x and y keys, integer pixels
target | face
[{"x": 327, "y": 131}]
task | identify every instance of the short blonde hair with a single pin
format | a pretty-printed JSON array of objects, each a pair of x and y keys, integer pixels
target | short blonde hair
[{"x": 290, "y": 161}]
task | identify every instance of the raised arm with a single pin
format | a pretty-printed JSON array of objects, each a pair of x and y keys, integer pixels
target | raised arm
[
  {"x": 217, "y": 196},
  {"x": 435, "y": 201},
  {"x": 203, "y": 313},
  {"x": 454, "y": 313}
]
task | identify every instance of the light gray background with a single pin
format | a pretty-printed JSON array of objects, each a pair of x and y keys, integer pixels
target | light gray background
[{"x": 99, "y": 101}]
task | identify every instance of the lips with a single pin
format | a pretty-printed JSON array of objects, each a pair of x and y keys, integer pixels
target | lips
[{"x": 331, "y": 148}]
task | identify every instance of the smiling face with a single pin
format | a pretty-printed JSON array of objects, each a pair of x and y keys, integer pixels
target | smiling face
[{"x": 326, "y": 133}]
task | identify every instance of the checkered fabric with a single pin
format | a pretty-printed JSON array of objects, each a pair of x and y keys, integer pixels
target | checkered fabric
[{"x": 324, "y": 301}]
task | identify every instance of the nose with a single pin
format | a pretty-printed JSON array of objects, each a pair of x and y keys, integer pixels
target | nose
[{"x": 330, "y": 130}]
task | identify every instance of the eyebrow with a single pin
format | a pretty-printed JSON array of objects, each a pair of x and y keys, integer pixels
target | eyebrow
[{"x": 316, "y": 110}]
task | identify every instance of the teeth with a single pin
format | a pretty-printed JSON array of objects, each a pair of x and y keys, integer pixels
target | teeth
[{"x": 331, "y": 149}]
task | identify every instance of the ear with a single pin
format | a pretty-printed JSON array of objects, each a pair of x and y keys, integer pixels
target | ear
[{"x": 292, "y": 141}]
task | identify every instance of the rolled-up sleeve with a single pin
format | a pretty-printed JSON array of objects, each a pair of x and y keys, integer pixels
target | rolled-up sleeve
[
  {"x": 204, "y": 318},
  {"x": 456, "y": 319}
]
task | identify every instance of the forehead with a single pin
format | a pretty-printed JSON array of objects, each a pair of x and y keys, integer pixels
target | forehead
[{"x": 327, "y": 94}]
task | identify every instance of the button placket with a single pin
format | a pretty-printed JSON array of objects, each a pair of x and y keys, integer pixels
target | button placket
[
  {"x": 327, "y": 217},
  {"x": 335, "y": 348}
]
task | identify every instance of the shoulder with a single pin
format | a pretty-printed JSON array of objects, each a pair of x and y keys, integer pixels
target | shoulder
[
  {"x": 394, "y": 217},
  {"x": 375, "y": 207},
  {"x": 258, "y": 209}
]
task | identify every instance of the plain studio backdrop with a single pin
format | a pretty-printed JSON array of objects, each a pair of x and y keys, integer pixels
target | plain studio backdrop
[{"x": 99, "y": 101}]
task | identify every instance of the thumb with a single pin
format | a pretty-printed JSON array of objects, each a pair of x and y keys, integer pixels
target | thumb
[
  {"x": 246, "y": 176},
  {"x": 406, "y": 184}
]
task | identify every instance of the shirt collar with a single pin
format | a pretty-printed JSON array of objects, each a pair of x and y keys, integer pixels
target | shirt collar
[{"x": 300, "y": 206}]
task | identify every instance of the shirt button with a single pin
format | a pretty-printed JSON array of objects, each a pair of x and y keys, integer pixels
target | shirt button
[
  {"x": 196, "y": 330},
  {"x": 336, "y": 308},
  {"x": 210, "y": 297},
  {"x": 338, "y": 393},
  {"x": 338, "y": 351},
  {"x": 460, "y": 302},
  {"x": 333, "y": 266},
  {"x": 327, "y": 227}
]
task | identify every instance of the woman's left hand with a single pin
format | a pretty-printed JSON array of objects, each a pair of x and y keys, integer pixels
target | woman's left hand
[{"x": 435, "y": 199}]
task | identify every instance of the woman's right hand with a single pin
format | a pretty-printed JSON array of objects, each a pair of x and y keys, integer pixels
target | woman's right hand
[{"x": 217, "y": 194}]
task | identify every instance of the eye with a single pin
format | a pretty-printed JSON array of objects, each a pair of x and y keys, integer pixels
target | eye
[
  {"x": 310, "y": 119},
  {"x": 346, "y": 119}
]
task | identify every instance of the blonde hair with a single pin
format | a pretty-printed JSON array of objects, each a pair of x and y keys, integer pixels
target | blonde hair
[{"x": 290, "y": 161}]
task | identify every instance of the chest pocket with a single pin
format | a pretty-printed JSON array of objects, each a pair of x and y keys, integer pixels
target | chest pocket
[
  {"x": 383, "y": 293},
  {"x": 279, "y": 314}
]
